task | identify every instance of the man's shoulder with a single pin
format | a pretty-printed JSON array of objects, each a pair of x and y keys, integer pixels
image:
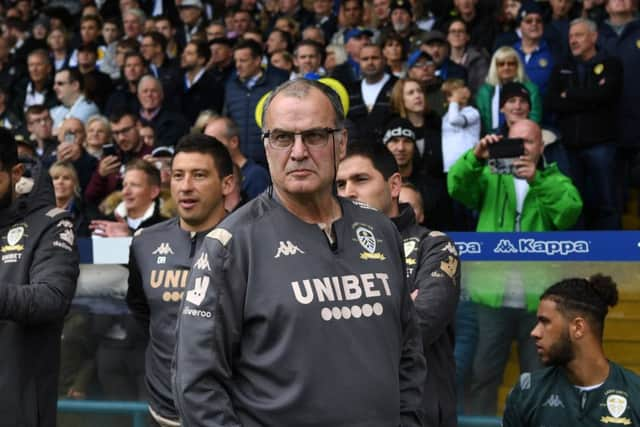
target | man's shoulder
[
  {"x": 245, "y": 217},
  {"x": 161, "y": 228}
]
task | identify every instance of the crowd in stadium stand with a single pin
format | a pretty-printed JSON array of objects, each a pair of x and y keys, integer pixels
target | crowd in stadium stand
[{"x": 100, "y": 91}]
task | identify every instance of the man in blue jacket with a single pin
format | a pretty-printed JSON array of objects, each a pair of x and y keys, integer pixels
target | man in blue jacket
[{"x": 244, "y": 90}]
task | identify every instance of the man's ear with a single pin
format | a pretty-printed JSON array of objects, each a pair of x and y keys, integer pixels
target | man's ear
[
  {"x": 155, "y": 192},
  {"x": 578, "y": 328},
  {"x": 227, "y": 184},
  {"x": 16, "y": 172},
  {"x": 395, "y": 185},
  {"x": 341, "y": 146}
]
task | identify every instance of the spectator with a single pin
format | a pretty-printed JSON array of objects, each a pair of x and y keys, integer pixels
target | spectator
[
  {"x": 70, "y": 148},
  {"x": 435, "y": 44},
  {"x": 402, "y": 24},
  {"x": 255, "y": 178},
  {"x": 8, "y": 119},
  {"x": 369, "y": 98},
  {"x": 36, "y": 290},
  {"x": 97, "y": 84},
  {"x": 110, "y": 35},
  {"x": 148, "y": 136},
  {"x": 354, "y": 41},
  {"x": 368, "y": 173},
  {"x": 335, "y": 61},
  {"x": 278, "y": 40},
  {"x": 215, "y": 30},
  {"x": 242, "y": 23},
  {"x": 282, "y": 60},
  {"x": 557, "y": 25},
  {"x": 381, "y": 13},
  {"x": 542, "y": 199},
  {"x": 69, "y": 87},
  {"x": 324, "y": 18},
  {"x": 242, "y": 94},
  {"x": 461, "y": 124},
  {"x": 68, "y": 194},
  {"x": 307, "y": 57},
  {"x": 422, "y": 68},
  {"x": 192, "y": 21},
  {"x": 584, "y": 92},
  {"x": 201, "y": 90},
  {"x": 107, "y": 177},
  {"x": 164, "y": 26},
  {"x": 37, "y": 87},
  {"x": 125, "y": 95},
  {"x": 505, "y": 67},
  {"x": 57, "y": 40},
  {"x": 410, "y": 195},
  {"x": 315, "y": 34},
  {"x": 350, "y": 17},
  {"x": 221, "y": 64},
  {"x": 476, "y": 61},
  {"x": 133, "y": 23},
  {"x": 480, "y": 25},
  {"x": 618, "y": 36},
  {"x": 292, "y": 9},
  {"x": 90, "y": 29},
  {"x": 139, "y": 207},
  {"x": 395, "y": 55},
  {"x": 98, "y": 132},
  {"x": 168, "y": 126},
  {"x": 154, "y": 48},
  {"x": 10, "y": 72},
  {"x": 40, "y": 131},
  {"x": 535, "y": 52}
]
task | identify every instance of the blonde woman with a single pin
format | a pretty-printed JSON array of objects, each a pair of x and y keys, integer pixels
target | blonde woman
[
  {"x": 505, "y": 67},
  {"x": 66, "y": 187}
]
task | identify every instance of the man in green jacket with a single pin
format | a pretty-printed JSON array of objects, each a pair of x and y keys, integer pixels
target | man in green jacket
[
  {"x": 537, "y": 197},
  {"x": 580, "y": 386}
]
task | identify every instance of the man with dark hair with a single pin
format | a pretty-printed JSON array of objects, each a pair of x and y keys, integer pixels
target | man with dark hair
[
  {"x": 124, "y": 97},
  {"x": 128, "y": 145},
  {"x": 38, "y": 276},
  {"x": 201, "y": 178},
  {"x": 369, "y": 97},
  {"x": 255, "y": 178},
  {"x": 98, "y": 85},
  {"x": 307, "y": 58},
  {"x": 69, "y": 87},
  {"x": 242, "y": 93},
  {"x": 165, "y": 26},
  {"x": 201, "y": 90},
  {"x": 40, "y": 131},
  {"x": 290, "y": 274},
  {"x": 580, "y": 386},
  {"x": 167, "y": 70},
  {"x": 369, "y": 174}
]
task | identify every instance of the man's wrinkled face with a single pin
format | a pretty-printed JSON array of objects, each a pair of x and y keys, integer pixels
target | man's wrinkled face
[
  {"x": 190, "y": 15},
  {"x": 150, "y": 94},
  {"x": 301, "y": 170},
  {"x": 246, "y": 65},
  {"x": 38, "y": 67},
  {"x": 137, "y": 192},
  {"x": 371, "y": 62},
  {"x": 400, "y": 20},
  {"x": 581, "y": 39}
]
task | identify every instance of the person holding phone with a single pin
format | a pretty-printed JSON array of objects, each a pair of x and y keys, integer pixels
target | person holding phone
[{"x": 536, "y": 197}]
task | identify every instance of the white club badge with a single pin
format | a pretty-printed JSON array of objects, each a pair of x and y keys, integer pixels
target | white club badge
[
  {"x": 367, "y": 239},
  {"x": 616, "y": 405},
  {"x": 14, "y": 235}
]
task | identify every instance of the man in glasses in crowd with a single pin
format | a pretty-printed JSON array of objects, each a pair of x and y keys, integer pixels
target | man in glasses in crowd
[{"x": 297, "y": 310}]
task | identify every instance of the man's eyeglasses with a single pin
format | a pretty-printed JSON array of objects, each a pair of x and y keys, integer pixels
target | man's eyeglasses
[
  {"x": 122, "y": 131},
  {"x": 313, "y": 138},
  {"x": 40, "y": 121}
]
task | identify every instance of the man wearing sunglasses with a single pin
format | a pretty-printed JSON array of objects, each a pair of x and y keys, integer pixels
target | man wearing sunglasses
[{"x": 297, "y": 311}]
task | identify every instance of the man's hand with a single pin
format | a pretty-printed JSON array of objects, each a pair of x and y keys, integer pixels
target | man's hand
[
  {"x": 481, "y": 150},
  {"x": 69, "y": 151},
  {"x": 525, "y": 168},
  {"x": 461, "y": 95},
  {"x": 104, "y": 228},
  {"x": 108, "y": 165}
]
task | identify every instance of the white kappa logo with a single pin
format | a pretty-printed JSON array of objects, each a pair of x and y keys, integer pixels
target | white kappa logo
[
  {"x": 67, "y": 236},
  {"x": 287, "y": 248},
  {"x": 163, "y": 249},
  {"x": 554, "y": 402},
  {"x": 196, "y": 295},
  {"x": 616, "y": 405},
  {"x": 14, "y": 235},
  {"x": 367, "y": 239},
  {"x": 203, "y": 262}
]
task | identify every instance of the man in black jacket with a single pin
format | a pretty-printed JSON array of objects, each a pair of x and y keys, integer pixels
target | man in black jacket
[
  {"x": 369, "y": 174},
  {"x": 38, "y": 273},
  {"x": 201, "y": 90},
  {"x": 370, "y": 97},
  {"x": 584, "y": 93},
  {"x": 160, "y": 256}
]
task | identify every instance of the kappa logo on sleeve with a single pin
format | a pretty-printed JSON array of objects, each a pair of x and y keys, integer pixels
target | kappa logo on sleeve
[{"x": 202, "y": 263}]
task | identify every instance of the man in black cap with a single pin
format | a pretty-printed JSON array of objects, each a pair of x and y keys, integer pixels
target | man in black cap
[
  {"x": 401, "y": 20},
  {"x": 515, "y": 104},
  {"x": 435, "y": 44},
  {"x": 221, "y": 62}
]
